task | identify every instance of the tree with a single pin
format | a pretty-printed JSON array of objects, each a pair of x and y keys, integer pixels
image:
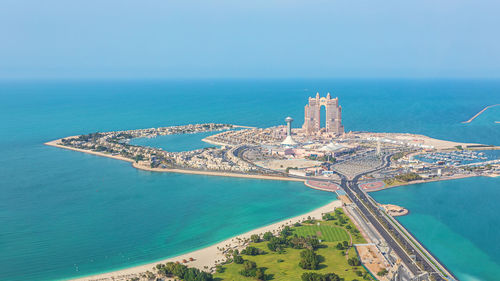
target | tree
[
  {"x": 238, "y": 259},
  {"x": 252, "y": 251},
  {"x": 304, "y": 243},
  {"x": 382, "y": 272},
  {"x": 255, "y": 238},
  {"x": 249, "y": 269},
  {"x": 345, "y": 244},
  {"x": 354, "y": 261},
  {"x": 179, "y": 270},
  {"x": 277, "y": 243},
  {"x": 267, "y": 236},
  {"x": 309, "y": 259},
  {"x": 249, "y": 265},
  {"x": 342, "y": 220},
  {"x": 259, "y": 274},
  {"x": 339, "y": 246},
  {"x": 138, "y": 158},
  {"x": 312, "y": 276},
  {"x": 287, "y": 231},
  {"x": 328, "y": 217},
  {"x": 219, "y": 268}
]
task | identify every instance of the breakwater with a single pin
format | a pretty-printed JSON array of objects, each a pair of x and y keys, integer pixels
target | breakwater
[{"x": 479, "y": 113}]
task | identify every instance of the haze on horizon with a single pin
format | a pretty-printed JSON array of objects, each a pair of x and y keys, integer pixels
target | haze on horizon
[{"x": 251, "y": 39}]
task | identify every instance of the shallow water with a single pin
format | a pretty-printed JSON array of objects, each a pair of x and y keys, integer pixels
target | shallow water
[{"x": 176, "y": 143}]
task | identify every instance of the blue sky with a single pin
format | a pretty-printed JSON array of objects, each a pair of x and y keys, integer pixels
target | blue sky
[{"x": 245, "y": 39}]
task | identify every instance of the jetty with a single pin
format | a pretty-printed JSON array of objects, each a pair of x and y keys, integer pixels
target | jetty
[{"x": 480, "y": 112}]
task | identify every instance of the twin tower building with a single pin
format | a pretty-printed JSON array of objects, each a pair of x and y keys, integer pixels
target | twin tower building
[{"x": 312, "y": 116}]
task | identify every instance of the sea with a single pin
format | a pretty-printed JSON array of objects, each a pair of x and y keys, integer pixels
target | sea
[{"x": 66, "y": 214}]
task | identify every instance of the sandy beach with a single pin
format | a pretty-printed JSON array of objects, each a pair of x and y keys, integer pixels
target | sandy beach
[
  {"x": 55, "y": 143},
  {"x": 208, "y": 257},
  {"x": 213, "y": 173}
]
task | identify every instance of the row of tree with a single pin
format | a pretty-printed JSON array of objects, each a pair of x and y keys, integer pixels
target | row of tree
[
  {"x": 408, "y": 177},
  {"x": 183, "y": 272},
  {"x": 312, "y": 276}
]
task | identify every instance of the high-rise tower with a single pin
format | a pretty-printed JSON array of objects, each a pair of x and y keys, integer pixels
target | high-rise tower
[{"x": 312, "y": 115}]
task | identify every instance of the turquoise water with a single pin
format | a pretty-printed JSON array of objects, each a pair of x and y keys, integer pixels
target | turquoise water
[
  {"x": 176, "y": 143},
  {"x": 456, "y": 220},
  {"x": 65, "y": 214}
]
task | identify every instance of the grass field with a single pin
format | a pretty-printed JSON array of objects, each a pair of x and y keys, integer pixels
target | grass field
[
  {"x": 285, "y": 266},
  {"x": 288, "y": 269},
  {"x": 327, "y": 233}
]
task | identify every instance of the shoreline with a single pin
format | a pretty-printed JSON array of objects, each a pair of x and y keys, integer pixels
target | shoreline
[
  {"x": 173, "y": 170},
  {"x": 209, "y": 255},
  {"x": 427, "y": 181}
]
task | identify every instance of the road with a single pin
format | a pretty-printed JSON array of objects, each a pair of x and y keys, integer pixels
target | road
[
  {"x": 394, "y": 236},
  {"x": 416, "y": 258}
]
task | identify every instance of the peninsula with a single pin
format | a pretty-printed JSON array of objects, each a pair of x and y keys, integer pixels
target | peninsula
[{"x": 347, "y": 164}]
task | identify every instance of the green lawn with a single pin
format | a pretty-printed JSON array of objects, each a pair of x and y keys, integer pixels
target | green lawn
[
  {"x": 357, "y": 238},
  {"x": 288, "y": 269},
  {"x": 285, "y": 266},
  {"x": 327, "y": 233}
]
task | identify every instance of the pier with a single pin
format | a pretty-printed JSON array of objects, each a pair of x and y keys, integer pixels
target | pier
[{"x": 480, "y": 112}]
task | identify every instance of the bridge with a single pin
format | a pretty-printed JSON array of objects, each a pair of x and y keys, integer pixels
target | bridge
[{"x": 416, "y": 258}]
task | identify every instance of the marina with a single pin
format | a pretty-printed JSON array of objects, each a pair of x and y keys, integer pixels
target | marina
[{"x": 460, "y": 157}]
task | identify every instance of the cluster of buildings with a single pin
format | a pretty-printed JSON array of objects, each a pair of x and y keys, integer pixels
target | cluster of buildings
[
  {"x": 311, "y": 150},
  {"x": 255, "y": 136},
  {"x": 213, "y": 158},
  {"x": 116, "y": 144}
]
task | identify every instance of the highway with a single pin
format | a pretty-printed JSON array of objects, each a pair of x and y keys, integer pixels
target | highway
[
  {"x": 394, "y": 237},
  {"x": 416, "y": 258}
]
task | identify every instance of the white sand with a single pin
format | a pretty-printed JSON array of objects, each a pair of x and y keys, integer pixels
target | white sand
[
  {"x": 213, "y": 173},
  {"x": 208, "y": 257},
  {"x": 418, "y": 139}
]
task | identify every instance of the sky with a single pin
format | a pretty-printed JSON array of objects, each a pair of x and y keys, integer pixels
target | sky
[{"x": 249, "y": 39}]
